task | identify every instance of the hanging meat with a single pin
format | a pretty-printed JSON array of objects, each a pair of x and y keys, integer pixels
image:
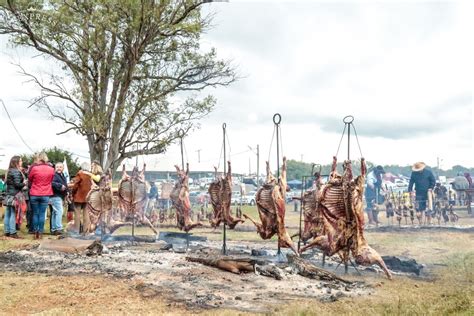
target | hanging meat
[
  {"x": 335, "y": 219},
  {"x": 220, "y": 192},
  {"x": 99, "y": 202},
  {"x": 313, "y": 220},
  {"x": 270, "y": 201},
  {"x": 180, "y": 199},
  {"x": 133, "y": 197}
]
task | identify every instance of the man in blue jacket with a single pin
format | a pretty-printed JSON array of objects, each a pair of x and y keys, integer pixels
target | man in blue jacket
[
  {"x": 373, "y": 194},
  {"x": 59, "y": 185},
  {"x": 424, "y": 182}
]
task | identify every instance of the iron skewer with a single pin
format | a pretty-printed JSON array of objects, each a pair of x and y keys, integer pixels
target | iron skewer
[
  {"x": 277, "y": 121},
  {"x": 224, "y": 236}
]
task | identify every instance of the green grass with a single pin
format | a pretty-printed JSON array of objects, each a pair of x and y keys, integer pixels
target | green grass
[
  {"x": 449, "y": 290},
  {"x": 451, "y": 293}
]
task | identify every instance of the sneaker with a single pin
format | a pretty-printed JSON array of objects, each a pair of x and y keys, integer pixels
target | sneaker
[{"x": 7, "y": 235}]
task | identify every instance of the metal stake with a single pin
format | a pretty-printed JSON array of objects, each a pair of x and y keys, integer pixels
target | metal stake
[
  {"x": 258, "y": 167},
  {"x": 133, "y": 212},
  {"x": 224, "y": 237},
  {"x": 277, "y": 121},
  {"x": 348, "y": 121},
  {"x": 181, "y": 135},
  {"x": 301, "y": 211}
]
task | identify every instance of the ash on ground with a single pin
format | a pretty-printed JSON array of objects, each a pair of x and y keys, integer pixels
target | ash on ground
[{"x": 158, "y": 271}]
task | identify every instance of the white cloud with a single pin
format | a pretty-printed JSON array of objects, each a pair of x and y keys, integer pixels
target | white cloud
[{"x": 403, "y": 69}]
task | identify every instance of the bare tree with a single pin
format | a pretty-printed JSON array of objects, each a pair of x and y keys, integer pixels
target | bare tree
[{"x": 129, "y": 61}]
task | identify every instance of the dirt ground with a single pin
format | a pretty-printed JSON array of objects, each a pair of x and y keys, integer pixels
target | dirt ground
[{"x": 446, "y": 285}]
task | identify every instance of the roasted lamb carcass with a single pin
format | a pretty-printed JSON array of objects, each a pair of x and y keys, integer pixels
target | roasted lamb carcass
[
  {"x": 220, "y": 192},
  {"x": 99, "y": 202},
  {"x": 133, "y": 197},
  {"x": 341, "y": 226},
  {"x": 313, "y": 221},
  {"x": 180, "y": 199},
  {"x": 270, "y": 201}
]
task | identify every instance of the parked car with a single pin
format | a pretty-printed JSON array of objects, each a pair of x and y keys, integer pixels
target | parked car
[
  {"x": 235, "y": 198},
  {"x": 401, "y": 183},
  {"x": 198, "y": 197},
  {"x": 193, "y": 196}
]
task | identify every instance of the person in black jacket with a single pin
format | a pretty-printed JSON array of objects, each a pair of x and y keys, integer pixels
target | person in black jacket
[
  {"x": 26, "y": 191},
  {"x": 424, "y": 181},
  {"x": 59, "y": 185},
  {"x": 15, "y": 181}
]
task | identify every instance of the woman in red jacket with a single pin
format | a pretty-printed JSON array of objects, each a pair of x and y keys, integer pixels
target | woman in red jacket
[{"x": 40, "y": 178}]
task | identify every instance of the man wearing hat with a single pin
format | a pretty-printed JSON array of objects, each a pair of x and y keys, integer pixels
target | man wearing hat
[
  {"x": 372, "y": 193},
  {"x": 424, "y": 181}
]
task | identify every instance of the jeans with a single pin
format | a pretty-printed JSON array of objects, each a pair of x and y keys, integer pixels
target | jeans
[
  {"x": 9, "y": 222},
  {"x": 57, "y": 214},
  {"x": 39, "y": 205},
  {"x": 29, "y": 216}
]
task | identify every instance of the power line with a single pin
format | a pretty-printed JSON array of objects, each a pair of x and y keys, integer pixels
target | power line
[
  {"x": 21, "y": 137},
  {"x": 80, "y": 156},
  {"x": 13, "y": 124}
]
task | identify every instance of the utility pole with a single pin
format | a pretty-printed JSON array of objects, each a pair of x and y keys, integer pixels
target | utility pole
[
  {"x": 199, "y": 155},
  {"x": 437, "y": 167},
  {"x": 250, "y": 168},
  {"x": 136, "y": 157},
  {"x": 258, "y": 164}
]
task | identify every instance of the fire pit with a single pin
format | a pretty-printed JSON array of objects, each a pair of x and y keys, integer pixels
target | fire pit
[{"x": 159, "y": 269}]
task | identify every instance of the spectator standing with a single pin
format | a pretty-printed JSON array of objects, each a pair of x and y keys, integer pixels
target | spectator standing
[
  {"x": 80, "y": 186},
  {"x": 15, "y": 181},
  {"x": 423, "y": 181},
  {"x": 57, "y": 200},
  {"x": 467, "y": 175},
  {"x": 441, "y": 192},
  {"x": 2, "y": 184},
  {"x": 2, "y": 189},
  {"x": 460, "y": 184},
  {"x": 96, "y": 172},
  {"x": 153, "y": 193},
  {"x": 26, "y": 191},
  {"x": 152, "y": 198},
  {"x": 40, "y": 178},
  {"x": 372, "y": 193}
]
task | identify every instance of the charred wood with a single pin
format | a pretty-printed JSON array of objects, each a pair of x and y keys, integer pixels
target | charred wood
[{"x": 234, "y": 265}]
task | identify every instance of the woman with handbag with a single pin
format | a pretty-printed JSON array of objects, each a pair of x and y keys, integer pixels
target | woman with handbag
[{"x": 15, "y": 181}]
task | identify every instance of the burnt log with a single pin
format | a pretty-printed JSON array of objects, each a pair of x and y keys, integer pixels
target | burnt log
[
  {"x": 72, "y": 245},
  {"x": 271, "y": 271},
  {"x": 402, "y": 264},
  {"x": 234, "y": 265},
  {"x": 116, "y": 225},
  {"x": 309, "y": 270}
]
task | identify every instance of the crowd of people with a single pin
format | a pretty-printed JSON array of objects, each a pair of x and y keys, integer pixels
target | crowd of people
[
  {"x": 30, "y": 190},
  {"x": 422, "y": 185}
]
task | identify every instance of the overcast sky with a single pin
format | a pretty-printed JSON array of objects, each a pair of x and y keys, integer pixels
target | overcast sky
[{"x": 403, "y": 69}]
